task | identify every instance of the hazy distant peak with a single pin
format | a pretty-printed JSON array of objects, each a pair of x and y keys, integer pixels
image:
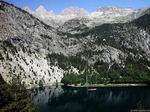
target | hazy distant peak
[
  {"x": 101, "y": 15},
  {"x": 74, "y": 11},
  {"x": 114, "y": 10},
  {"x": 43, "y": 13},
  {"x": 41, "y": 9}
]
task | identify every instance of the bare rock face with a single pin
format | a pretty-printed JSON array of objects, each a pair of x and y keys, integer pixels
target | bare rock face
[{"x": 37, "y": 52}]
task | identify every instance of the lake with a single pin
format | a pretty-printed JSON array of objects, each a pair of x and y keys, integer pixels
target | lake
[{"x": 69, "y": 99}]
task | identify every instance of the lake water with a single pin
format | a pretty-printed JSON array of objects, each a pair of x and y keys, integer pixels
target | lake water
[{"x": 68, "y": 99}]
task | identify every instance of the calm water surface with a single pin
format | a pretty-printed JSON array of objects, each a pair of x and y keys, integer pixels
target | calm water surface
[{"x": 64, "y": 99}]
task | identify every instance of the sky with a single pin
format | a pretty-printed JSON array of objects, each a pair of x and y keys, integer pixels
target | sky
[{"x": 89, "y": 5}]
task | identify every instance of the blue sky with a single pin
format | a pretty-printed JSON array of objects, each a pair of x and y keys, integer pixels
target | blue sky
[{"x": 89, "y": 5}]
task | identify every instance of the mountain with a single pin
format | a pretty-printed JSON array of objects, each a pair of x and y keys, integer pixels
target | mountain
[
  {"x": 85, "y": 20},
  {"x": 76, "y": 25},
  {"x": 57, "y": 20},
  {"x": 115, "y": 10},
  {"x": 23, "y": 50},
  {"x": 100, "y": 16},
  {"x": 40, "y": 53},
  {"x": 74, "y": 11}
]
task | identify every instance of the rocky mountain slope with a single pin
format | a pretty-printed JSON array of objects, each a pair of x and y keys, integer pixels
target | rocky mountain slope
[
  {"x": 38, "y": 52},
  {"x": 73, "y": 18}
]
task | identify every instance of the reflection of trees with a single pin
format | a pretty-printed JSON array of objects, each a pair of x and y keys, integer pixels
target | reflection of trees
[
  {"x": 114, "y": 98},
  {"x": 103, "y": 99},
  {"x": 79, "y": 101},
  {"x": 41, "y": 95},
  {"x": 140, "y": 105},
  {"x": 14, "y": 97}
]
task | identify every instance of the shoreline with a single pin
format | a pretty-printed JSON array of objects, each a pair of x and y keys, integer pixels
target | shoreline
[
  {"x": 109, "y": 85},
  {"x": 45, "y": 85},
  {"x": 94, "y": 85}
]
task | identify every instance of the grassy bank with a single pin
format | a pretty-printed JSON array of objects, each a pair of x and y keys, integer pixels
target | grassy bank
[{"x": 110, "y": 85}]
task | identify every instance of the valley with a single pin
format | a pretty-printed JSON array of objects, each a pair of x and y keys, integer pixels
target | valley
[{"x": 38, "y": 52}]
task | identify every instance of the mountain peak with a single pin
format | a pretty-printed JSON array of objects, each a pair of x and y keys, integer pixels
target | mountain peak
[
  {"x": 41, "y": 9},
  {"x": 43, "y": 13},
  {"x": 74, "y": 11},
  {"x": 114, "y": 10}
]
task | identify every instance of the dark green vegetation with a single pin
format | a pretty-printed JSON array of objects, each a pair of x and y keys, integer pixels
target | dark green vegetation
[
  {"x": 2, "y": 7},
  {"x": 65, "y": 62},
  {"x": 131, "y": 73},
  {"x": 71, "y": 79},
  {"x": 14, "y": 97}
]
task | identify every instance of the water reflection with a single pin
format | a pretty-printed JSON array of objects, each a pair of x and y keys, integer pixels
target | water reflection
[
  {"x": 64, "y": 99},
  {"x": 42, "y": 95}
]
